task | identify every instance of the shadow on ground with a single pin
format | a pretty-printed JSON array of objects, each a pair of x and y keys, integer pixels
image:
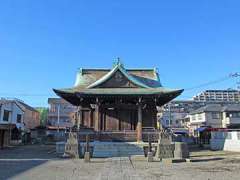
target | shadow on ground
[
  {"x": 206, "y": 159},
  {"x": 10, "y": 169},
  {"x": 16, "y": 160}
]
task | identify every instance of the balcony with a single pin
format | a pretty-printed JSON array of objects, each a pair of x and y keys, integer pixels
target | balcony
[{"x": 61, "y": 114}]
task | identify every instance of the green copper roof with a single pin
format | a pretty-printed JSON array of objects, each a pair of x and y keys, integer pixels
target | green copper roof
[
  {"x": 147, "y": 82},
  {"x": 117, "y": 67},
  {"x": 143, "y": 77}
]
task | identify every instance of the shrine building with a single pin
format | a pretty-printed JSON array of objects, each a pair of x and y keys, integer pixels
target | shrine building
[{"x": 118, "y": 100}]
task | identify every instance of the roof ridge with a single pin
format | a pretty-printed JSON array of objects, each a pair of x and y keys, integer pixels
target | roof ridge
[
  {"x": 26, "y": 106},
  {"x": 123, "y": 71},
  {"x": 109, "y": 69}
]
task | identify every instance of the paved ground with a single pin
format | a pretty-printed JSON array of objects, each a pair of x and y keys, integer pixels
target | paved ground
[{"x": 40, "y": 162}]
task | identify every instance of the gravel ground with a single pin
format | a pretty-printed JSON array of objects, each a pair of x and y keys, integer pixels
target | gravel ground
[
  {"x": 40, "y": 162},
  {"x": 206, "y": 165},
  {"x": 199, "y": 170}
]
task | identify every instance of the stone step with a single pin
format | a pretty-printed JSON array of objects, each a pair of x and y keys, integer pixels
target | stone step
[
  {"x": 107, "y": 155},
  {"x": 122, "y": 149},
  {"x": 116, "y": 150}
]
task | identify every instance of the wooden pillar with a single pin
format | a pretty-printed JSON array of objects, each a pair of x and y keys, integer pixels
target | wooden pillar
[
  {"x": 139, "y": 123},
  {"x": 155, "y": 120},
  {"x": 96, "y": 116},
  {"x": 81, "y": 116},
  {"x": 89, "y": 118},
  {"x": 78, "y": 118},
  {"x": 79, "y": 113},
  {"x": 79, "y": 122}
]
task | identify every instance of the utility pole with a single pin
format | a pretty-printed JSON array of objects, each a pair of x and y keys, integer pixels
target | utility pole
[{"x": 237, "y": 76}]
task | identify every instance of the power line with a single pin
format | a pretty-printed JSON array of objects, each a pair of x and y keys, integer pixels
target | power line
[
  {"x": 26, "y": 95},
  {"x": 209, "y": 83}
]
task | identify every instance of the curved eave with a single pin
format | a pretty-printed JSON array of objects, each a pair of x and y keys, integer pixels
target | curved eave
[
  {"x": 167, "y": 97},
  {"x": 68, "y": 96},
  {"x": 162, "y": 96},
  {"x": 127, "y": 91}
]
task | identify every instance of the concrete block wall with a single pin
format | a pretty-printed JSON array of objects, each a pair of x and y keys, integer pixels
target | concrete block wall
[{"x": 227, "y": 141}]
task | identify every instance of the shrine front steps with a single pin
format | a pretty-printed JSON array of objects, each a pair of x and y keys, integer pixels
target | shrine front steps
[
  {"x": 110, "y": 149},
  {"x": 117, "y": 149}
]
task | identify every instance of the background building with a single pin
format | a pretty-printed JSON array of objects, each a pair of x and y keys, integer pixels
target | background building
[
  {"x": 11, "y": 120},
  {"x": 15, "y": 117},
  {"x": 31, "y": 116},
  {"x": 216, "y": 116},
  {"x": 178, "y": 113},
  {"x": 219, "y": 95},
  {"x": 62, "y": 110},
  {"x": 174, "y": 113}
]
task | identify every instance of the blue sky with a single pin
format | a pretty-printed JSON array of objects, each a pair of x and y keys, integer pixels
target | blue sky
[{"x": 43, "y": 43}]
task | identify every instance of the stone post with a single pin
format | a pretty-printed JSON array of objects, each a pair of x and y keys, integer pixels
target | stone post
[
  {"x": 87, "y": 150},
  {"x": 181, "y": 150},
  {"x": 150, "y": 153}
]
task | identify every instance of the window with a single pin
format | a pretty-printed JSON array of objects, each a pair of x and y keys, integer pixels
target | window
[
  {"x": 193, "y": 117},
  {"x": 215, "y": 115},
  {"x": 6, "y": 115},
  {"x": 168, "y": 122},
  {"x": 238, "y": 135},
  {"x": 19, "y": 118},
  {"x": 199, "y": 117},
  {"x": 235, "y": 114}
]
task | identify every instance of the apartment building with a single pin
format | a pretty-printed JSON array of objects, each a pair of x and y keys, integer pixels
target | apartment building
[{"x": 229, "y": 95}]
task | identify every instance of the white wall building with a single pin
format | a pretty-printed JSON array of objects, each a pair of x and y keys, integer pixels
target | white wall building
[
  {"x": 11, "y": 113},
  {"x": 216, "y": 116},
  {"x": 11, "y": 118}
]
